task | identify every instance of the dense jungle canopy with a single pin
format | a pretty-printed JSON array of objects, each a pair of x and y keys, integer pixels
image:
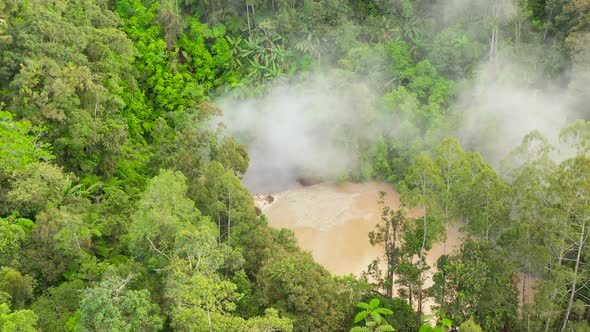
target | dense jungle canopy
[{"x": 122, "y": 206}]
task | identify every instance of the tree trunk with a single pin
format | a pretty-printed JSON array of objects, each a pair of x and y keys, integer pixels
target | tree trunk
[
  {"x": 554, "y": 294},
  {"x": 547, "y": 25},
  {"x": 229, "y": 218},
  {"x": 209, "y": 320},
  {"x": 421, "y": 277},
  {"x": 219, "y": 227},
  {"x": 423, "y": 235},
  {"x": 574, "y": 282},
  {"x": 517, "y": 29},
  {"x": 248, "y": 14},
  {"x": 394, "y": 255},
  {"x": 389, "y": 253},
  {"x": 420, "y": 281}
]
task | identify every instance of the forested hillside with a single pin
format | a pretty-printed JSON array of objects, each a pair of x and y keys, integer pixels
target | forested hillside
[{"x": 121, "y": 199}]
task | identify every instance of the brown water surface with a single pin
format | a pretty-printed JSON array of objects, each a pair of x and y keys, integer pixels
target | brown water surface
[{"x": 333, "y": 221}]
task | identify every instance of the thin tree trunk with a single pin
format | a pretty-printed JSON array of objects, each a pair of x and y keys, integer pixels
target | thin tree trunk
[
  {"x": 574, "y": 283},
  {"x": 424, "y": 222},
  {"x": 394, "y": 258},
  {"x": 229, "y": 218},
  {"x": 554, "y": 294},
  {"x": 248, "y": 14},
  {"x": 524, "y": 279},
  {"x": 547, "y": 24},
  {"x": 219, "y": 227},
  {"x": 517, "y": 29},
  {"x": 422, "y": 250},
  {"x": 388, "y": 250},
  {"x": 421, "y": 277},
  {"x": 420, "y": 284},
  {"x": 492, "y": 44},
  {"x": 423, "y": 236},
  {"x": 528, "y": 269},
  {"x": 209, "y": 320},
  {"x": 494, "y": 41}
]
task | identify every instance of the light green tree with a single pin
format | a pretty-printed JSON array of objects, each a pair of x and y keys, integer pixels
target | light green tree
[
  {"x": 469, "y": 326},
  {"x": 530, "y": 236},
  {"x": 39, "y": 186},
  {"x": 301, "y": 290},
  {"x": 19, "y": 144},
  {"x": 111, "y": 306},
  {"x": 423, "y": 183},
  {"x": 476, "y": 283},
  {"x": 17, "y": 321},
  {"x": 13, "y": 232},
  {"x": 163, "y": 211},
  {"x": 57, "y": 308},
  {"x": 19, "y": 287},
  {"x": 387, "y": 235}
]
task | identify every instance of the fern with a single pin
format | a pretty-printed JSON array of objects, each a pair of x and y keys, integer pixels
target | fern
[{"x": 372, "y": 315}]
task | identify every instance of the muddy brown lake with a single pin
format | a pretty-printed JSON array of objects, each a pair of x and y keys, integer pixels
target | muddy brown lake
[{"x": 333, "y": 222}]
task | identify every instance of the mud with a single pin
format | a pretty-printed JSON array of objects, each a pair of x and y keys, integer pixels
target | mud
[{"x": 333, "y": 222}]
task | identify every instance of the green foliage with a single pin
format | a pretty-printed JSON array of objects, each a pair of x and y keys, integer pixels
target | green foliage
[
  {"x": 19, "y": 144},
  {"x": 404, "y": 317},
  {"x": 19, "y": 287},
  {"x": 443, "y": 324},
  {"x": 380, "y": 160},
  {"x": 270, "y": 321},
  {"x": 453, "y": 53},
  {"x": 57, "y": 308},
  {"x": 40, "y": 186},
  {"x": 222, "y": 196},
  {"x": 111, "y": 306},
  {"x": 302, "y": 290},
  {"x": 469, "y": 326},
  {"x": 17, "y": 321},
  {"x": 13, "y": 233},
  {"x": 372, "y": 314},
  {"x": 71, "y": 84},
  {"x": 387, "y": 235},
  {"x": 163, "y": 214},
  {"x": 476, "y": 284}
]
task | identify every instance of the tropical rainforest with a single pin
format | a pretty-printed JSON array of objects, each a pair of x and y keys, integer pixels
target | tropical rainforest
[{"x": 122, "y": 206}]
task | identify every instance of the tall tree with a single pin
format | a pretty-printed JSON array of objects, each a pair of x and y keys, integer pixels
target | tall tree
[
  {"x": 476, "y": 283},
  {"x": 302, "y": 290},
  {"x": 573, "y": 183},
  {"x": 387, "y": 235},
  {"x": 111, "y": 305},
  {"x": 163, "y": 212},
  {"x": 424, "y": 182}
]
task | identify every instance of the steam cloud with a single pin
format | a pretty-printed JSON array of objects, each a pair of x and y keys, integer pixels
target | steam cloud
[
  {"x": 502, "y": 103},
  {"x": 297, "y": 130},
  {"x": 500, "y": 109}
]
